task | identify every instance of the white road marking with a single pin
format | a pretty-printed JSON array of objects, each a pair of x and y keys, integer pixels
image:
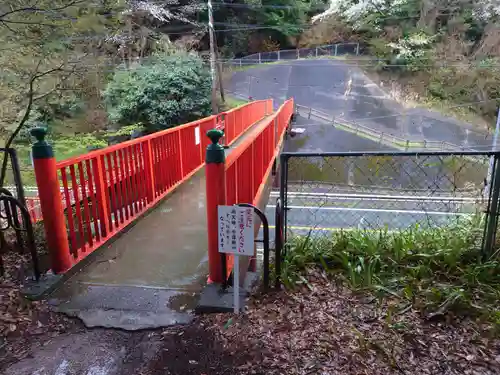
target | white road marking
[
  {"x": 375, "y": 210},
  {"x": 405, "y": 198}
]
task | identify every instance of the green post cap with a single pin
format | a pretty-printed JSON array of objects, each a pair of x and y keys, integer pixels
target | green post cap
[
  {"x": 215, "y": 151},
  {"x": 41, "y": 149}
]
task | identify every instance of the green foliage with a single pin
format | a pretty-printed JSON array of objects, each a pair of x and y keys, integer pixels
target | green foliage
[
  {"x": 436, "y": 270},
  {"x": 279, "y": 21},
  {"x": 67, "y": 147},
  {"x": 412, "y": 51},
  {"x": 128, "y": 130},
  {"x": 169, "y": 90}
]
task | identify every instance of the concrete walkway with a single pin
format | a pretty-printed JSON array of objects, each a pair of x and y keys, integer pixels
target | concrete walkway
[{"x": 152, "y": 274}]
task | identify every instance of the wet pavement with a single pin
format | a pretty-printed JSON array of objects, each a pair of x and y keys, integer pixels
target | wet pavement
[
  {"x": 346, "y": 93},
  {"x": 152, "y": 274},
  {"x": 94, "y": 352},
  {"x": 320, "y": 136}
]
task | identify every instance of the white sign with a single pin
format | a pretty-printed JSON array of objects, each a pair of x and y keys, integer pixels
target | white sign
[
  {"x": 197, "y": 135},
  {"x": 236, "y": 230}
]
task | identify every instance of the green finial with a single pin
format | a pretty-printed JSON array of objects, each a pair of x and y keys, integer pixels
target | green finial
[
  {"x": 39, "y": 133},
  {"x": 215, "y": 151},
  {"x": 215, "y": 135},
  {"x": 41, "y": 149}
]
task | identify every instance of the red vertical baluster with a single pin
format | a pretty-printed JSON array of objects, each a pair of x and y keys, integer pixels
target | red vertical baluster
[
  {"x": 163, "y": 163},
  {"x": 124, "y": 183},
  {"x": 154, "y": 166},
  {"x": 157, "y": 165},
  {"x": 181, "y": 154},
  {"x": 132, "y": 156},
  {"x": 86, "y": 210},
  {"x": 130, "y": 186},
  {"x": 171, "y": 161},
  {"x": 94, "y": 211},
  {"x": 115, "y": 188},
  {"x": 69, "y": 213},
  {"x": 32, "y": 210},
  {"x": 148, "y": 154},
  {"x": 78, "y": 210},
  {"x": 141, "y": 193},
  {"x": 253, "y": 179},
  {"x": 177, "y": 158}
]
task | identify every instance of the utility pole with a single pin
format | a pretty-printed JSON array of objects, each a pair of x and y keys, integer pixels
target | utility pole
[
  {"x": 215, "y": 110},
  {"x": 219, "y": 71}
]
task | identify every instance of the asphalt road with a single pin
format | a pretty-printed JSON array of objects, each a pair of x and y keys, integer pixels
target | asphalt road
[
  {"x": 345, "y": 92},
  {"x": 324, "y": 213},
  {"x": 319, "y": 136}
]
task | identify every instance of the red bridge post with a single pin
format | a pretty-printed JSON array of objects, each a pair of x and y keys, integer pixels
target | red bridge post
[
  {"x": 216, "y": 195},
  {"x": 49, "y": 193}
]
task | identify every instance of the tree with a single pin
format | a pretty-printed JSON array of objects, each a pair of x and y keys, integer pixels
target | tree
[
  {"x": 167, "y": 90},
  {"x": 38, "y": 56}
]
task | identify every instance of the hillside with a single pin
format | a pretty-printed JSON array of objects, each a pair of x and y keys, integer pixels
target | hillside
[{"x": 443, "y": 54}]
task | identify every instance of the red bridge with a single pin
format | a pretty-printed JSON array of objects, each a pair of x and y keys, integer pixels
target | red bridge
[{"x": 149, "y": 206}]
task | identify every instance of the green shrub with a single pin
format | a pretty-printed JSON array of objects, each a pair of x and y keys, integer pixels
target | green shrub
[{"x": 169, "y": 90}]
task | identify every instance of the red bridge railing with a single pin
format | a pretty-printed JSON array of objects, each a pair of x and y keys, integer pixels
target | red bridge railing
[
  {"x": 105, "y": 190},
  {"x": 243, "y": 177}
]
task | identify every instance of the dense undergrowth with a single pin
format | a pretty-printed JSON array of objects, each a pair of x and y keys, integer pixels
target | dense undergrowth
[{"x": 438, "y": 271}]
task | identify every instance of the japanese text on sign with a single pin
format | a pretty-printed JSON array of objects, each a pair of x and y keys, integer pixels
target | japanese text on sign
[{"x": 236, "y": 230}]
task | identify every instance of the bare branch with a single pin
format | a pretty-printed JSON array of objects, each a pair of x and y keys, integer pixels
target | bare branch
[
  {"x": 35, "y": 9},
  {"x": 31, "y": 99}
]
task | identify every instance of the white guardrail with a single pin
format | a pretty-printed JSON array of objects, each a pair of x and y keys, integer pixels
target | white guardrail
[{"x": 380, "y": 137}]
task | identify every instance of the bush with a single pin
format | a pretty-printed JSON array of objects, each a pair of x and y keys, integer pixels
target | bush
[{"x": 167, "y": 91}]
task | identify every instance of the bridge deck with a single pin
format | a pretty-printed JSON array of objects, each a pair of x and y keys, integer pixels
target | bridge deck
[{"x": 151, "y": 275}]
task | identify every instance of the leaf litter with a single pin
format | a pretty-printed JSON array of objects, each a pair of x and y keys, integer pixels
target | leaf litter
[
  {"x": 23, "y": 323},
  {"x": 325, "y": 328}
]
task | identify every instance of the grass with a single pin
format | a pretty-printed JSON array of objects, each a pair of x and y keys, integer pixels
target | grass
[
  {"x": 437, "y": 271},
  {"x": 231, "y": 102}
]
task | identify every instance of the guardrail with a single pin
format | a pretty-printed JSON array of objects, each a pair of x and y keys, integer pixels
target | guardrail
[
  {"x": 105, "y": 190},
  {"x": 242, "y": 177},
  {"x": 380, "y": 137}
]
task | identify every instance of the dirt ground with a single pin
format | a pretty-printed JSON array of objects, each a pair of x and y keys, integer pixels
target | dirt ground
[{"x": 321, "y": 328}]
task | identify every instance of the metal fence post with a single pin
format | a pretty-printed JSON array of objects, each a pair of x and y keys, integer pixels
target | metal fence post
[
  {"x": 316, "y": 52},
  {"x": 357, "y": 49},
  {"x": 309, "y": 115},
  {"x": 278, "y": 55},
  {"x": 407, "y": 145},
  {"x": 381, "y": 137},
  {"x": 50, "y": 201},
  {"x": 215, "y": 180},
  {"x": 260, "y": 59},
  {"x": 240, "y": 63},
  {"x": 336, "y": 49},
  {"x": 283, "y": 193},
  {"x": 298, "y": 54},
  {"x": 492, "y": 213}
]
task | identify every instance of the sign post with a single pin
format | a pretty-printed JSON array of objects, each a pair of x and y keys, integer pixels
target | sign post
[{"x": 236, "y": 236}]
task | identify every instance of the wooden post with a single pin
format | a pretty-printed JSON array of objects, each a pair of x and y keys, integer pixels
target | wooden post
[{"x": 49, "y": 193}]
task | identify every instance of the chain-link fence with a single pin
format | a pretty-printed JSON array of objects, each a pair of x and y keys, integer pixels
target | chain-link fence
[{"x": 394, "y": 191}]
